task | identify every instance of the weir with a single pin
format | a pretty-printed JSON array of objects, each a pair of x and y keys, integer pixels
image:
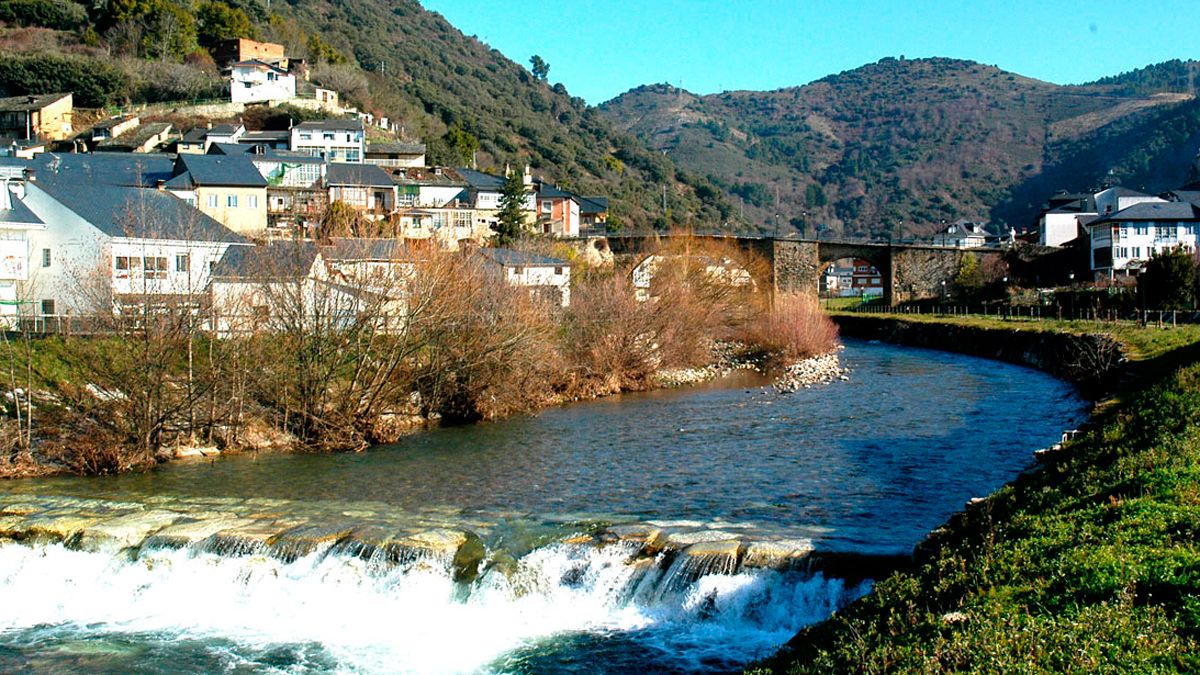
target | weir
[{"x": 267, "y": 572}]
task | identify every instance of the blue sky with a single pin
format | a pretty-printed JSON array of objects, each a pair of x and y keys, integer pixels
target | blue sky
[{"x": 601, "y": 48}]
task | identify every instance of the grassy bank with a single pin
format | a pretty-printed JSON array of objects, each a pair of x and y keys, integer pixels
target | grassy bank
[{"x": 1089, "y": 564}]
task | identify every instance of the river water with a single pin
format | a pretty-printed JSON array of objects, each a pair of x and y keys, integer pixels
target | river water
[{"x": 865, "y": 466}]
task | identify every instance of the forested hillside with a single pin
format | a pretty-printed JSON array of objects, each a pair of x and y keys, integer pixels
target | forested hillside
[
  {"x": 910, "y": 144},
  {"x": 467, "y": 101}
]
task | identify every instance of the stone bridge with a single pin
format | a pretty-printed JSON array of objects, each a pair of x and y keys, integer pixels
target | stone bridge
[{"x": 908, "y": 271}]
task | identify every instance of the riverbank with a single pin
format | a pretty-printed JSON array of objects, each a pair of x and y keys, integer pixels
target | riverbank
[{"x": 1088, "y": 563}]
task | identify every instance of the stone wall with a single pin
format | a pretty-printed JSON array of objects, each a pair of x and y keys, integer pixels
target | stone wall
[{"x": 1091, "y": 362}]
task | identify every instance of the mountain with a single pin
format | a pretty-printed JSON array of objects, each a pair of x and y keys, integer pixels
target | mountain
[
  {"x": 466, "y": 100},
  {"x": 901, "y": 146}
]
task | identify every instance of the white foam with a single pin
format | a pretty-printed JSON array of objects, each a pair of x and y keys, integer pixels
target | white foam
[{"x": 413, "y": 619}]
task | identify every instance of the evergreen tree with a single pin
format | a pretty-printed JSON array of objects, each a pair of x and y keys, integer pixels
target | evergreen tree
[
  {"x": 511, "y": 219},
  {"x": 1169, "y": 280},
  {"x": 539, "y": 67}
]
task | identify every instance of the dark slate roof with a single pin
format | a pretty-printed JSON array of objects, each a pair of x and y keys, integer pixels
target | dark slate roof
[
  {"x": 103, "y": 189},
  {"x": 593, "y": 205},
  {"x": 357, "y": 174},
  {"x": 1192, "y": 196},
  {"x": 555, "y": 192},
  {"x": 19, "y": 214},
  {"x": 196, "y": 135},
  {"x": 233, "y": 171},
  {"x": 222, "y": 130},
  {"x": 135, "y": 137},
  {"x": 1169, "y": 211},
  {"x": 113, "y": 121},
  {"x": 277, "y": 260},
  {"x": 480, "y": 180},
  {"x": 348, "y": 249},
  {"x": 396, "y": 148},
  {"x": 29, "y": 102},
  {"x": 1125, "y": 192},
  {"x": 507, "y": 257},
  {"x": 425, "y": 176},
  {"x": 230, "y": 149},
  {"x": 332, "y": 125}
]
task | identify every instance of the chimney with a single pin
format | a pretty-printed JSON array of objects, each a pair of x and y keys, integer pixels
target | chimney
[
  {"x": 30, "y": 174},
  {"x": 31, "y": 99},
  {"x": 160, "y": 184},
  {"x": 5, "y": 196}
]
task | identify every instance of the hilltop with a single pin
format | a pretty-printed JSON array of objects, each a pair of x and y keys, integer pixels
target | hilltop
[
  {"x": 913, "y": 143},
  {"x": 393, "y": 58}
]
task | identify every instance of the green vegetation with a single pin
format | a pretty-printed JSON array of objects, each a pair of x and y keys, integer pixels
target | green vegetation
[
  {"x": 398, "y": 60},
  {"x": 923, "y": 142},
  {"x": 1089, "y": 564},
  {"x": 510, "y": 225},
  {"x": 1170, "y": 281}
]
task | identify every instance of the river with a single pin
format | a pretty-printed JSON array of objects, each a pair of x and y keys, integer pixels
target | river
[{"x": 865, "y": 466}]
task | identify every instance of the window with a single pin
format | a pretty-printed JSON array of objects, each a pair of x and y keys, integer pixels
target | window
[
  {"x": 156, "y": 267},
  {"x": 462, "y": 219},
  {"x": 353, "y": 156},
  {"x": 45, "y": 257},
  {"x": 212, "y": 201},
  {"x": 231, "y": 201},
  {"x": 252, "y": 201},
  {"x": 48, "y": 307},
  {"x": 558, "y": 271},
  {"x": 183, "y": 262},
  {"x": 547, "y": 207},
  {"x": 328, "y": 136},
  {"x": 122, "y": 263},
  {"x": 305, "y": 136},
  {"x": 246, "y": 85}
]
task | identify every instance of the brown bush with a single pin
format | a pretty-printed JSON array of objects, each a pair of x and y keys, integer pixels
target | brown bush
[{"x": 794, "y": 328}]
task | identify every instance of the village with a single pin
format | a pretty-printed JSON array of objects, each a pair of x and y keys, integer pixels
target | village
[{"x": 170, "y": 212}]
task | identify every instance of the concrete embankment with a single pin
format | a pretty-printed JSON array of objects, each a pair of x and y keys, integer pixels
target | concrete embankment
[{"x": 1092, "y": 362}]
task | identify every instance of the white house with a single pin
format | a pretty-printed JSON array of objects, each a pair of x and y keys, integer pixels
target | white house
[
  {"x": 255, "y": 81},
  {"x": 1115, "y": 199},
  {"x": 110, "y": 235},
  {"x": 1122, "y": 242},
  {"x": 719, "y": 270},
  {"x": 16, "y": 224},
  {"x": 280, "y": 286},
  {"x": 1059, "y": 222},
  {"x": 962, "y": 234},
  {"x": 333, "y": 140},
  {"x": 396, "y": 154},
  {"x": 544, "y": 276}
]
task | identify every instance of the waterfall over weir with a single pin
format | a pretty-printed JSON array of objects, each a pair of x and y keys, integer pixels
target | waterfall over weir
[{"x": 247, "y": 588}]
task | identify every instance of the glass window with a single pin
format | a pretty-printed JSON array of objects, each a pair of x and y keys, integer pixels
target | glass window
[
  {"x": 252, "y": 201},
  {"x": 212, "y": 201},
  {"x": 231, "y": 201},
  {"x": 48, "y": 307},
  {"x": 45, "y": 257},
  {"x": 183, "y": 262}
]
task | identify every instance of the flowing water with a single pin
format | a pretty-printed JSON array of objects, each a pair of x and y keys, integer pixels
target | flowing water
[{"x": 862, "y": 468}]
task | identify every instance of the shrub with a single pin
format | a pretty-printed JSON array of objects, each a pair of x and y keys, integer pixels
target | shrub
[
  {"x": 94, "y": 82},
  {"x": 44, "y": 13},
  {"x": 794, "y": 328}
]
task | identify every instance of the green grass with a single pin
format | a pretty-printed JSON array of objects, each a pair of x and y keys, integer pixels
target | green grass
[
  {"x": 1091, "y": 564},
  {"x": 1142, "y": 342}
]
